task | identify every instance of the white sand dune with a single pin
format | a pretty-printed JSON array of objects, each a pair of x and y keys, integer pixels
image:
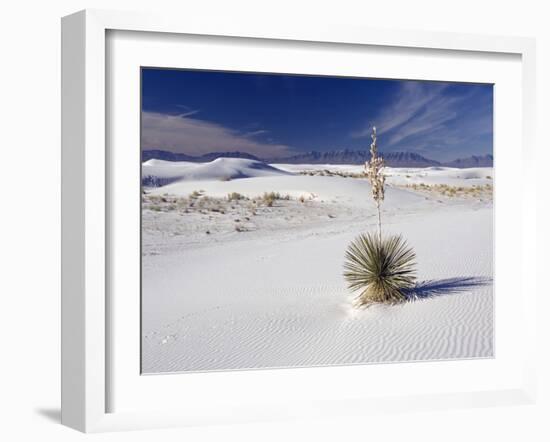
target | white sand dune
[
  {"x": 407, "y": 175},
  {"x": 162, "y": 172},
  {"x": 441, "y": 175},
  {"x": 274, "y": 296},
  {"x": 352, "y": 191}
]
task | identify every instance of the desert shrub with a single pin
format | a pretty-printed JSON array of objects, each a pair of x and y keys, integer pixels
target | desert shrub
[
  {"x": 235, "y": 196},
  {"x": 382, "y": 269},
  {"x": 269, "y": 198}
]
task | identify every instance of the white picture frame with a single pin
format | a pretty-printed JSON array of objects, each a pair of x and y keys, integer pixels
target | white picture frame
[{"x": 86, "y": 315}]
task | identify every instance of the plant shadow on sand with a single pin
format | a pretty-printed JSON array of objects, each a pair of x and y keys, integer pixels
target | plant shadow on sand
[{"x": 440, "y": 287}]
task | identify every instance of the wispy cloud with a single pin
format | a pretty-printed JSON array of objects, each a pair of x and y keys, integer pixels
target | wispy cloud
[
  {"x": 410, "y": 99},
  {"x": 181, "y": 134},
  {"x": 187, "y": 111},
  {"x": 255, "y": 133},
  {"x": 426, "y": 116}
]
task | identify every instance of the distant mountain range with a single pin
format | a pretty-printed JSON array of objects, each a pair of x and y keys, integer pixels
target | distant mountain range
[
  {"x": 473, "y": 161},
  {"x": 392, "y": 159}
]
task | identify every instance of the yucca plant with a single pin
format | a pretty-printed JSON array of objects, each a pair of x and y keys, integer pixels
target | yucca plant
[{"x": 382, "y": 268}]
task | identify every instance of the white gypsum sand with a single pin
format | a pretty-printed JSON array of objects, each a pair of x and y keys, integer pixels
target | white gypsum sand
[{"x": 254, "y": 280}]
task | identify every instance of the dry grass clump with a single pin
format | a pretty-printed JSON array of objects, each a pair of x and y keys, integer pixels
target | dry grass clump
[
  {"x": 476, "y": 191},
  {"x": 381, "y": 269},
  {"x": 268, "y": 198},
  {"x": 235, "y": 196},
  {"x": 197, "y": 201},
  {"x": 196, "y": 194},
  {"x": 338, "y": 173}
]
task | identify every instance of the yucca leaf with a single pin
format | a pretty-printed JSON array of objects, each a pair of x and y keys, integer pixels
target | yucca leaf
[{"x": 382, "y": 270}]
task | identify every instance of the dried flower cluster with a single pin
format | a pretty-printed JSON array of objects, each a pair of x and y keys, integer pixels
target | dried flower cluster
[{"x": 373, "y": 169}]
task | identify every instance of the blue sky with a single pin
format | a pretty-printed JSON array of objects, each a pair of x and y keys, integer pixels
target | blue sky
[{"x": 273, "y": 115}]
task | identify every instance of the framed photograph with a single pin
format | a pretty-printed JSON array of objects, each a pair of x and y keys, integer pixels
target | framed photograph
[
  {"x": 287, "y": 232},
  {"x": 266, "y": 223}
]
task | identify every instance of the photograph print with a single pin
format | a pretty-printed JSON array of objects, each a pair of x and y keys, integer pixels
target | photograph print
[{"x": 302, "y": 221}]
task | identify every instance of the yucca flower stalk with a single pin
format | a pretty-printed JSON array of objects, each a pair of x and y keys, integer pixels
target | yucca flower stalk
[{"x": 374, "y": 170}]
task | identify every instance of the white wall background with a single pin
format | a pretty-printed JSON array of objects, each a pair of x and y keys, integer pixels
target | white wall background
[{"x": 30, "y": 220}]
